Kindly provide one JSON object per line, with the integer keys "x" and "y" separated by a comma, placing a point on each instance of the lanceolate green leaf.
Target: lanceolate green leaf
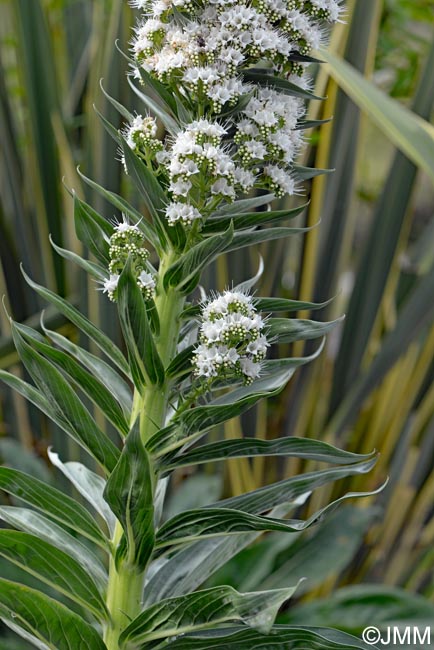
{"x": 47, "y": 619}
{"x": 95, "y": 270}
{"x": 280, "y": 636}
{"x": 286, "y": 330}
{"x": 90, "y": 485}
{"x": 36, "y": 397}
{"x": 243, "y": 239}
{"x": 121, "y": 204}
{"x": 202, "y": 609}
{"x": 196, "y": 259}
{"x": 197, "y": 420}
{"x": 263, "y": 78}
{"x": 130, "y": 496}
{"x": 243, "y": 205}
{"x": 268, "y": 304}
{"x": 34, "y": 523}
{"x": 191, "y": 566}
{"x": 99, "y": 368}
{"x": 35, "y": 642}
{"x": 306, "y": 173}
{"x": 181, "y": 364}
{"x": 251, "y": 219}
{"x": 66, "y": 406}
{"x": 146, "y": 365}
{"x": 92, "y": 230}
{"x": 248, "y": 447}
{"x": 83, "y": 324}
{"x": 166, "y": 118}
{"x": 52, "y": 502}
{"x": 85, "y": 381}
{"x": 269, "y": 496}
{"x": 283, "y": 304}
{"x": 202, "y": 418}
{"x": 164, "y": 95}
{"x": 54, "y": 567}
{"x": 190, "y": 525}
{"x": 151, "y": 191}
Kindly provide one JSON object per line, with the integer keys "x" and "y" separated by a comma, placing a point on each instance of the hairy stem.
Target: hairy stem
{"x": 125, "y": 584}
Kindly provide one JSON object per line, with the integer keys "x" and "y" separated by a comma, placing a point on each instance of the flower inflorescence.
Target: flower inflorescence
{"x": 232, "y": 342}
{"x": 247, "y": 135}
{"x": 126, "y": 242}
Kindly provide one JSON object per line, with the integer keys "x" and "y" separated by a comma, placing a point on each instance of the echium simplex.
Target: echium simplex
{"x": 228, "y": 86}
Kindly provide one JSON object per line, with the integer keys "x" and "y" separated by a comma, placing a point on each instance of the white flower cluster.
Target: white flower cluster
{"x": 141, "y": 134}
{"x": 232, "y": 341}
{"x": 199, "y": 166}
{"x": 127, "y": 241}
{"x": 206, "y": 49}
{"x": 249, "y": 132}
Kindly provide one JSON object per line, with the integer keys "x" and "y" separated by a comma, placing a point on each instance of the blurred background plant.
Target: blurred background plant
{"x": 374, "y": 251}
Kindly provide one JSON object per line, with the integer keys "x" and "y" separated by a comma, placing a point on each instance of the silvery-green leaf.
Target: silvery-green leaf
{"x": 52, "y": 502}
{"x": 92, "y": 386}
{"x": 191, "y": 566}
{"x": 92, "y": 230}
{"x": 306, "y": 173}
{"x": 145, "y": 362}
{"x": 151, "y": 191}
{"x": 269, "y": 496}
{"x": 54, "y": 567}
{"x": 65, "y": 405}
{"x": 251, "y": 219}
{"x": 249, "y": 447}
{"x": 283, "y": 304}
{"x": 50, "y": 621}
{"x": 33, "y": 640}
{"x": 194, "y": 422}
{"x": 286, "y": 330}
{"x": 243, "y": 205}
{"x": 264, "y": 78}
{"x": 121, "y": 204}
{"x": 281, "y": 637}
{"x": 210, "y": 521}
{"x": 130, "y": 496}
{"x": 96, "y": 335}
{"x": 248, "y": 284}
{"x": 90, "y": 485}
{"x": 99, "y": 368}
{"x": 249, "y": 238}
{"x": 95, "y": 270}
{"x": 201, "y": 610}
{"x": 32, "y": 522}
{"x": 166, "y": 118}
{"x": 182, "y": 273}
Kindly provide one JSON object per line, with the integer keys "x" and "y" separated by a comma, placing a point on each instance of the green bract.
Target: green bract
{"x": 228, "y": 82}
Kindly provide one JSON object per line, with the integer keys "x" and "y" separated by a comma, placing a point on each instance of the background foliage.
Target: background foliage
{"x": 374, "y": 251}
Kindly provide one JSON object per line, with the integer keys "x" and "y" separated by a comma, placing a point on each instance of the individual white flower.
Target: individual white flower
{"x": 258, "y": 347}
{"x": 250, "y": 369}
{"x": 147, "y": 284}
{"x": 280, "y": 181}
{"x": 182, "y": 212}
{"x": 221, "y": 186}
{"x": 110, "y": 285}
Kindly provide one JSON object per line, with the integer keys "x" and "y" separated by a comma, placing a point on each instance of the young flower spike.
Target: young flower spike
{"x": 231, "y": 339}
{"x": 126, "y": 242}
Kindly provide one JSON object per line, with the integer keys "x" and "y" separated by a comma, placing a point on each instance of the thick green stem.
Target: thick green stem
{"x": 125, "y": 584}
